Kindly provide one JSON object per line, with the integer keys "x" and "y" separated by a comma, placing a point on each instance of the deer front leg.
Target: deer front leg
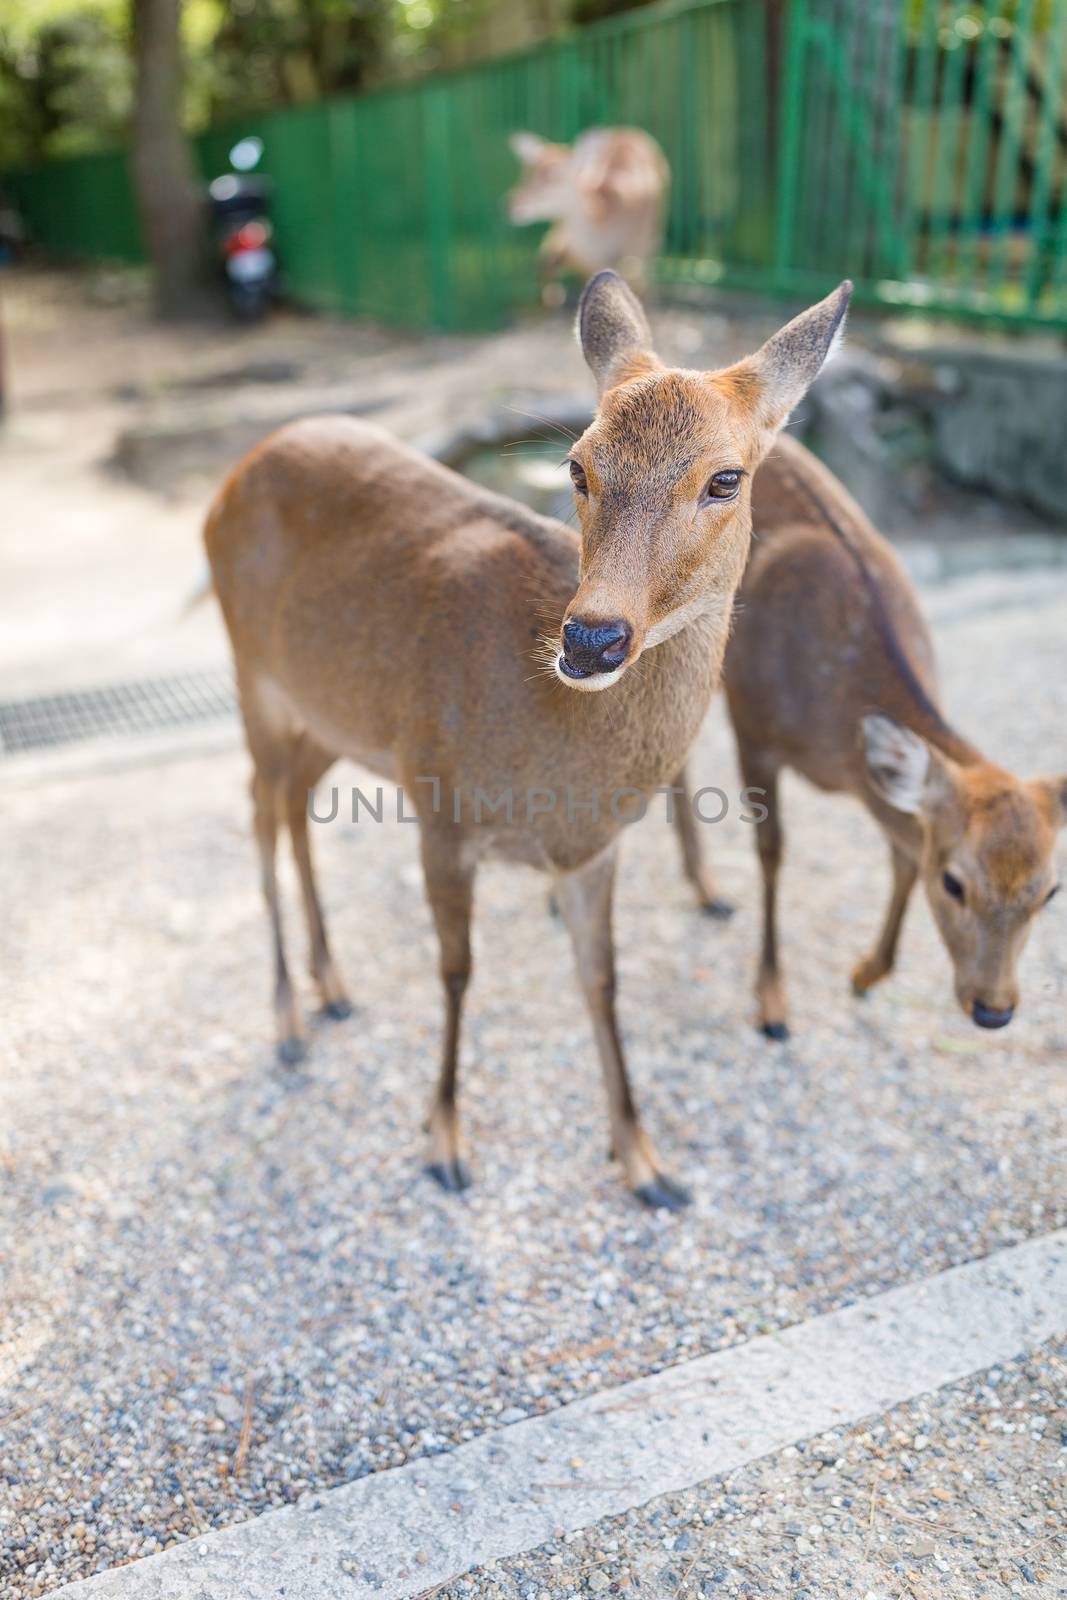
{"x": 449, "y": 887}
{"x": 308, "y": 769}
{"x": 552, "y": 263}
{"x": 694, "y": 865}
{"x": 770, "y": 991}
{"x": 585, "y": 899}
{"x": 873, "y": 968}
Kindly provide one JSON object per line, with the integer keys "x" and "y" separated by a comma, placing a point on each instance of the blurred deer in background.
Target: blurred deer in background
{"x": 830, "y": 671}
{"x": 605, "y": 196}
{"x": 383, "y": 608}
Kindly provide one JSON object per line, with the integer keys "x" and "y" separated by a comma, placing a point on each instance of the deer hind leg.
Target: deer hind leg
{"x": 873, "y": 968}
{"x": 310, "y": 764}
{"x": 266, "y": 798}
{"x": 585, "y": 900}
{"x": 450, "y": 890}
{"x": 694, "y": 864}
{"x": 770, "y": 990}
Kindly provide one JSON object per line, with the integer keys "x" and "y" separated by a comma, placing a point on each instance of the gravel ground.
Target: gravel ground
{"x": 227, "y": 1284}
{"x": 959, "y": 1494}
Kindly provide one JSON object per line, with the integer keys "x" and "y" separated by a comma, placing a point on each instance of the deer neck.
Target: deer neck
{"x": 644, "y": 726}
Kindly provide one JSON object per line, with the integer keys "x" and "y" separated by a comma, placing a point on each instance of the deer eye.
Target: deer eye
{"x": 1053, "y": 892}
{"x": 952, "y": 886}
{"x": 722, "y": 486}
{"x": 578, "y": 478}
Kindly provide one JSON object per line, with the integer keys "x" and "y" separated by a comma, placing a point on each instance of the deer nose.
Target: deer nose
{"x": 988, "y": 1017}
{"x": 591, "y": 648}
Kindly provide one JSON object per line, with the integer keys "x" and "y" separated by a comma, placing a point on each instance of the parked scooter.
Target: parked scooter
{"x": 240, "y": 206}
{"x": 12, "y": 232}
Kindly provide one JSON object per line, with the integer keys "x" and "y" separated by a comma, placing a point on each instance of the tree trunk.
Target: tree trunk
{"x": 172, "y": 210}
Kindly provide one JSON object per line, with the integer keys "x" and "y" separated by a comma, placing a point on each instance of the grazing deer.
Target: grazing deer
{"x": 383, "y": 608}
{"x": 830, "y": 671}
{"x": 605, "y": 196}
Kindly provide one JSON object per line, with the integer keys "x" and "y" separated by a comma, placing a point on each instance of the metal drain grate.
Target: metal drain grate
{"x": 123, "y": 709}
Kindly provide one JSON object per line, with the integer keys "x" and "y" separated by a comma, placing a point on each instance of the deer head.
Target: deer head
{"x": 663, "y": 477}
{"x": 544, "y": 192}
{"x": 987, "y": 862}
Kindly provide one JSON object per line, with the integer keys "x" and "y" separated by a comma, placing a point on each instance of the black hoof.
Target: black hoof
{"x": 775, "y": 1030}
{"x": 337, "y": 1010}
{"x": 663, "y": 1194}
{"x": 291, "y": 1052}
{"x": 453, "y": 1176}
{"x": 721, "y": 910}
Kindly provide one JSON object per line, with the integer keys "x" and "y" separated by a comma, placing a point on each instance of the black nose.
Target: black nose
{"x": 600, "y": 648}
{"x": 986, "y": 1017}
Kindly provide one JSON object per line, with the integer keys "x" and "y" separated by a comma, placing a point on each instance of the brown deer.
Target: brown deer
{"x": 830, "y": 671}
{"x": 383, "y": 608}
{"x": 605, "y": 197}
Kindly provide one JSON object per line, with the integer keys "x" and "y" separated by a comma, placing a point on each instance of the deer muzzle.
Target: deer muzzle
{"x": 593, "y": 649}
{"x": 991, "y": 1016}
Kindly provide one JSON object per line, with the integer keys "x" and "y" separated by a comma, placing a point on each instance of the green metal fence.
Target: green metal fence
{"x": 919, "y": 146}
{"x": 923, "y": 148}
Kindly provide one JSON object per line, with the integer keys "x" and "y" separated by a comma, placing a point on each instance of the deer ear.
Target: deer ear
{"x": 612, "y": 329}
{"x": 527, "y": 147}
{"x": 1055, "y": 791}
{"x": 898, "y": 763}
{"x": 782, "y": 371}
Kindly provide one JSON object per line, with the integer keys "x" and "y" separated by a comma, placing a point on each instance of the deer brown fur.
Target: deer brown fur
{"x": 604, "y": 196}
{"x": 830, "y": 671}
{"x": 383, "y": 608}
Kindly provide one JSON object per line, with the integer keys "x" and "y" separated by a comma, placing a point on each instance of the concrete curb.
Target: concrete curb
{"x": 400, "y": 1533}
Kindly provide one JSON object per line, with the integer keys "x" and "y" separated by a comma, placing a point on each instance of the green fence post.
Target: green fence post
{"x": 920, "y": 112}
{"x": 687, "y": 206}
{"x": 344, "y": 235}
{"x": 1006, "y": 178}
{"x": 1041, "y": 221}
{"x": 792, "y": 114}
{"x": 984, "y": 74}
{"x": 435, "y": 133}
{"x": 569, "y": 90}
{"x": 944, "y": 215}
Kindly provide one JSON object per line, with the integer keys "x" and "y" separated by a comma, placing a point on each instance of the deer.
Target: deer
{"x": 830, "y": 671}
{"x": 605, "y": 196}
{"x": 383, "y": 608}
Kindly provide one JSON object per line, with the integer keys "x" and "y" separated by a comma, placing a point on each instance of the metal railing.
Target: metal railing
{"x": 919, "y": 146}
{"x": 923, "y": 149}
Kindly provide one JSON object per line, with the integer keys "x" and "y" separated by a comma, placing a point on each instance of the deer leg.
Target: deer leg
{"x": 312, "y": 762}
{"x": 585, "y": 900}
{"x": 449, "y": 887}
{"x": 694, "y": 865}
{"x": 552, "y": 262}
{"x": 265, "y": 796}
{"x": 880, "y": 962}
{"x": 770, "y": 991}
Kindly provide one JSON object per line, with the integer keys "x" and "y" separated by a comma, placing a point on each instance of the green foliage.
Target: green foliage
{"x": 959, "y": 24}
{"x": 252, "y": 55}
{"x": 593, "y": 10}
{"x": 66, "y": 78}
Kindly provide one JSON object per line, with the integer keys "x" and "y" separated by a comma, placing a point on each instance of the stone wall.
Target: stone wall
{"x": 905, "y": 424}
